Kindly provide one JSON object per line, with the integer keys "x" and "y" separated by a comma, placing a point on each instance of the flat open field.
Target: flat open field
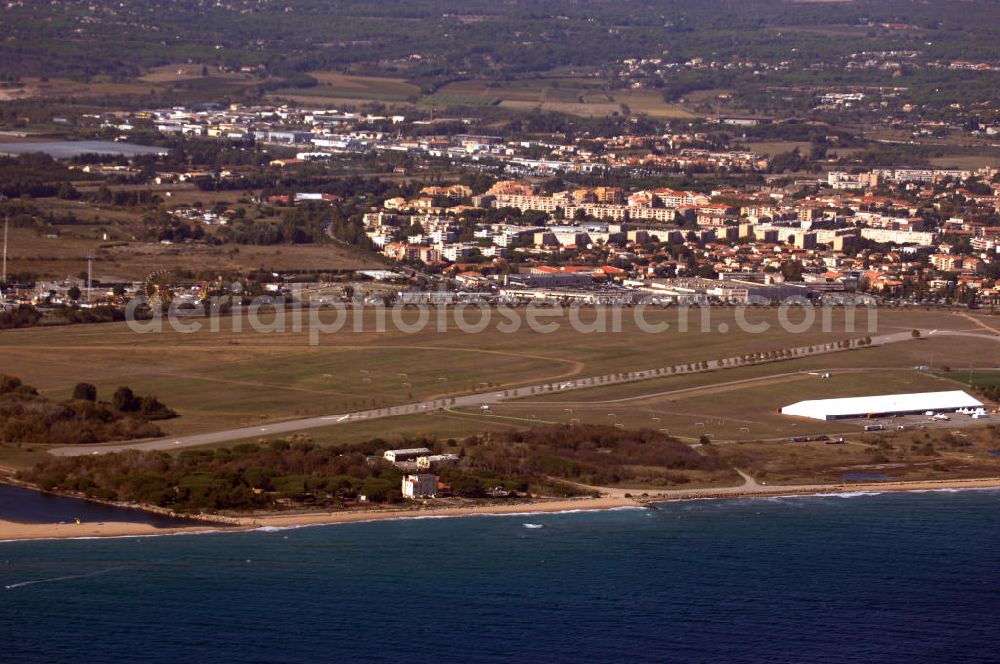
{"x": 185, "y": 72}
{"x": 736, "y": 411}
{"x": 968, "y": 161}
{"x": 155, "y": 82}
{"x": 114, "y": 236}
{"x": 650, "y": 102}
{"x": 564, "y": 94}
{"x": 66, "y": 88}
{"x": 346, "y": 85}
{"x": 335, "y": 87}
{"x": 831, "y": 31}
{"x": 573, "y": 95}
{"x": 970, "y": 376}
{"x": 138, "y": 260}
{"x": 910, "y": 455}
{"x": 120, "y": 259}
{"x": 226, "y": 378}
{"x": 771, "y": 148}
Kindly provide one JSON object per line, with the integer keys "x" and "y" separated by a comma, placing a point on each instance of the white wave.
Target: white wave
{"x": 955, "y": 489}
{"x": 579, "y": 510}
{"x": 432, "y": 517}
{"x": 24, "y": 584}
{"x": 532, "y": 526}
{"x": 847, "y": 494}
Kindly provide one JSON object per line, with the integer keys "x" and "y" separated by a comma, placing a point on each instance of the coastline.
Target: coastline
{"x": 12, "y": 531}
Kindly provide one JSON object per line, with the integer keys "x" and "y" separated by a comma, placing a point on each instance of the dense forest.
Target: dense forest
{"x": 436, "y": 40}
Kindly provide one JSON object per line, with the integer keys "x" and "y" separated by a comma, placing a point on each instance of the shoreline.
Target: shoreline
{"x": 14, "y": 531}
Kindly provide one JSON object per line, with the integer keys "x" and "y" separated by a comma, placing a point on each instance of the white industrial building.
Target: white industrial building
{"x": 887, "y": 404}
{"x": 410, "y": 454}
{"x": 432, "y": 460}
{"x": 420, "y": 486}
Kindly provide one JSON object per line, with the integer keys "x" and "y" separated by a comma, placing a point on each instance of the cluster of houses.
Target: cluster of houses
{"x": 420, "y": 483}
{"x": 901, "y": 234}
{"x": 845, "y": 237}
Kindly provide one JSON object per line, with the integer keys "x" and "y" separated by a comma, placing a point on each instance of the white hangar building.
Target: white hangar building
{"x": 887, "y": 404}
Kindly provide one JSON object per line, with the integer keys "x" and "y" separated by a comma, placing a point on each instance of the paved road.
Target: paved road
{"x": 481, "y": 399}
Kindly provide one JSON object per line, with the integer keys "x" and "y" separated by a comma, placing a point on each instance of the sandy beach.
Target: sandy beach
{"x": 615, "y": 500}
{"x": 10, "y": 530}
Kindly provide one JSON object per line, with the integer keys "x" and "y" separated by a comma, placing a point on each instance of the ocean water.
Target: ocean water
{"x": 858, "y": 578}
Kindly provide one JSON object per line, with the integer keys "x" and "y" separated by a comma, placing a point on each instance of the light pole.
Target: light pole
{"x": 6, "y": 223}
{"x": 90, "y": 276}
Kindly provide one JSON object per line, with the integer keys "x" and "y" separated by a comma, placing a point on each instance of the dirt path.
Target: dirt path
{"x": 979, "y": 323}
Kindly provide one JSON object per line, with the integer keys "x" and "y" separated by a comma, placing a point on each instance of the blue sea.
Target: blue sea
{"x": 842, "y": 578}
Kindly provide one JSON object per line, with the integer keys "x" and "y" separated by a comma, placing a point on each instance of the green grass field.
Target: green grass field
{"x": 362, "y": 88}
{"x": 231, "y": 379}
{"x": 973, "y": 377}
{"x": 446, "y": 100}
{"x": 690, "y": 406}
{"x": 573, "y": 95}
{"x": 219, "y": 379}
{"x": 987, "y": 158}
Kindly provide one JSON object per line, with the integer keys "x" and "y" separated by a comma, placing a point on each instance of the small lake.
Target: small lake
{"x": 70, "y": 149}
{"x": 27, "y": 506}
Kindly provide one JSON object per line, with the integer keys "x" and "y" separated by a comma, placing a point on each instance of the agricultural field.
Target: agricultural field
{"x": 573, "y": 95}
{"x": 989, "y": 158}
{"x": 185, "y": 72}
{"x": 651, "y": 103}
{"x": 158, "y": 81}
{"x": 335, "y": 87}
{"x": 120, "y": 258}
{"x": 55, "y": 87}
{"x": 771, "y": 148}
{"x": 114, "y": 234}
